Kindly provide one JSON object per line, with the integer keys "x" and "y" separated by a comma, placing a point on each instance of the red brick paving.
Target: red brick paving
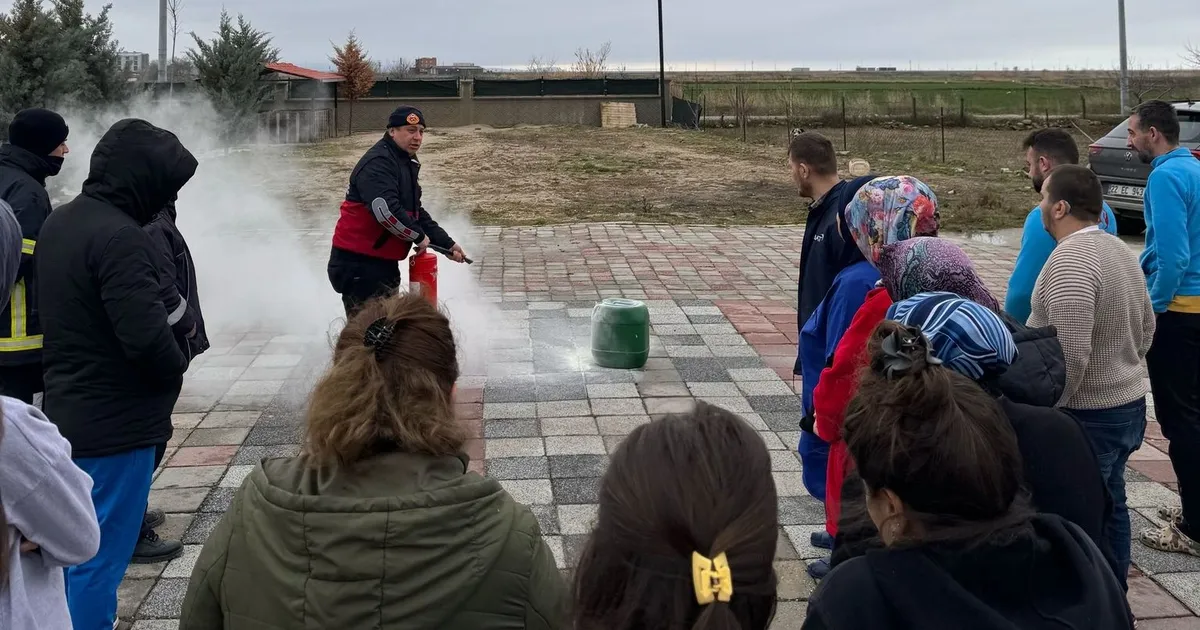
{"x": 202, "y": 456}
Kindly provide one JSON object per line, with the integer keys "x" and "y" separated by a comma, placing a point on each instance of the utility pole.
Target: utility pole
{"x": 162, "y": 41}
{"x": 662, "y": 67}
{"x": 1124, "y": 59}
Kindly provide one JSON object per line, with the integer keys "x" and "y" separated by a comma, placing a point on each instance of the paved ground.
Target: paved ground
{"x": 546, "y": 419}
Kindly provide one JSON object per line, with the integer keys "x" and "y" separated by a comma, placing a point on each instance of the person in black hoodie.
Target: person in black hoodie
{"x": 37, "y": 144}
{"x": 112, "y": 366}
{"x": 941, "y": 474}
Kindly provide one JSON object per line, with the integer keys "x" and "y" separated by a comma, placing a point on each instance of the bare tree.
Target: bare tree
{"x": 173, "y": 8}
{"x": 395, "y": 68}
{"x": 542, "y": 65}
{"x": 1192, "y": 55}
{"x": 589, "y": 64}
{"x": 1146, "y": 83}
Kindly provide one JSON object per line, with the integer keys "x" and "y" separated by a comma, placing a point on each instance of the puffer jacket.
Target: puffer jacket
{"x": 1038, "y": 376}
{"x": 403, "y": 541}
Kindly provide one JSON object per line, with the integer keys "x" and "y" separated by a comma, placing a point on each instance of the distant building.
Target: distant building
{"x": 875, "y": 69}
{"x": 458, "y": 70}
{"x": 802, "y": 69}
{"x": 133, "y": 62}
{"x": 425, "y": 65}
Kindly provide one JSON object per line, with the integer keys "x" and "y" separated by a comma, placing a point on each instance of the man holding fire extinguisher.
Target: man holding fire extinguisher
{"x": 382, "y": 218}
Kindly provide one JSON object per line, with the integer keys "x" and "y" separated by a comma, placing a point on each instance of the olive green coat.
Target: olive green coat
{"x": 407, "y": 541}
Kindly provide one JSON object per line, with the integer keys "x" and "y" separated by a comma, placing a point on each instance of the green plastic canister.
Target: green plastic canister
{"x": 621, "y": 334}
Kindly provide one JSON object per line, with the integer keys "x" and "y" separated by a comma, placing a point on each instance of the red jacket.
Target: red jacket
{"x": 835, "y": 390}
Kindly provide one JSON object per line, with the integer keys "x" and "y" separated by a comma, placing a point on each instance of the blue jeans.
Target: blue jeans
{"x": 814, "y": 460}
{"x": 120, "y": 488}
{"x": 1115, "y": 434}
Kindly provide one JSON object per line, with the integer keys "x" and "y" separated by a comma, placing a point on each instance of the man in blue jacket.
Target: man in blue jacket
{"x": 1171, "y": 262}
{"x": 1045, "y": 150}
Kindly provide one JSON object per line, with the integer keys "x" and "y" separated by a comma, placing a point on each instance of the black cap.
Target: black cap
{"x": 38, "y": 131}
{"x": 406, "y": 115}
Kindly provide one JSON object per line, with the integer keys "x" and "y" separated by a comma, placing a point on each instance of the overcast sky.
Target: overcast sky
{"x": 701, "y": 34}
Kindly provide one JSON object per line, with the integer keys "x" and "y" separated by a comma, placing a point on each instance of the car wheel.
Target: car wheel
{"x": 1130, "y": 226}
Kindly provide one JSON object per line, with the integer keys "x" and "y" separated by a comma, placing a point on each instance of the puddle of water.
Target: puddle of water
{"x": 1005, "y": 238}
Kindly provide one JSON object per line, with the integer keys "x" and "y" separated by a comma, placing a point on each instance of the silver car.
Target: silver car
{"x": 1123, "y": 175}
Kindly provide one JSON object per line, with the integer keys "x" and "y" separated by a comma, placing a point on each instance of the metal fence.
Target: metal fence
{"x": 295, "y": 126}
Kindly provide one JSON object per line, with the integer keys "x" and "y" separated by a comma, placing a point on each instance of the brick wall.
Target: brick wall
{"x": 468, "y": 109}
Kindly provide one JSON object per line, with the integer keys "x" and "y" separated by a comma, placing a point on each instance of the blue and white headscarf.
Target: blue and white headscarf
{"x": 969, "y": 338}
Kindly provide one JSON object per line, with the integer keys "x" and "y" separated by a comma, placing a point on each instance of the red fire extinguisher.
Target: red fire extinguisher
{"x": 422, "y": 275}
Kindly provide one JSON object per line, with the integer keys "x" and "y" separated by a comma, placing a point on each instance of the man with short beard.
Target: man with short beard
{"x": 1171, "y": 262}
{"x": 1045, "y": 149}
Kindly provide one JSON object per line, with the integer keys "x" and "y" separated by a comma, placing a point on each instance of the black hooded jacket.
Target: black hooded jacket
{"x": 180, "y": 291}
{"x": 1050, "y": 577}
{"x": 23, "y": 185}
{"x": 113, "y": 370}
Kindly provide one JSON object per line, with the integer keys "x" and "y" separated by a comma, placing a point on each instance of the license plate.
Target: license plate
{"x": 1126, "y": 191}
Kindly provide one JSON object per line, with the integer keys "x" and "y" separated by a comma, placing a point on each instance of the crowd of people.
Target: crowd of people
{"x": 970, "y": 456}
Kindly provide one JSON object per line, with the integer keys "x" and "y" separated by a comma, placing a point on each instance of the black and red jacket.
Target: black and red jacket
{"x": 390, "y": 173}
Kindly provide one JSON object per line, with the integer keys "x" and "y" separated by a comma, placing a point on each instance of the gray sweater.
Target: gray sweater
{"x": 47, "y": 500}
{"x": 1093, "y": 290}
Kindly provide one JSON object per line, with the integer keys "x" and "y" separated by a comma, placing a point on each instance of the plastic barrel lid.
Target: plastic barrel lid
{"x": 621, "y": 303}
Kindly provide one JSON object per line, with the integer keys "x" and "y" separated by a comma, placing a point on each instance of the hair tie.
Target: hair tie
{"x": 711, "y": 578}
{"x": 898, "y": 350}
{"x": 378, "y": 334}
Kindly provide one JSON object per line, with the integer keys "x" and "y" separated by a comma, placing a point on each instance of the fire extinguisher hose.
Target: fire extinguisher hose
{"x": 445, "y": 252}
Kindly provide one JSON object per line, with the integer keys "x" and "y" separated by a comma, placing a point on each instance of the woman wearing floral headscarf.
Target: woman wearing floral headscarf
{"x": 886, "y": 210}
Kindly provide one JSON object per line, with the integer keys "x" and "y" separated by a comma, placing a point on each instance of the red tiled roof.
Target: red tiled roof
{"x": 304, "y": 73}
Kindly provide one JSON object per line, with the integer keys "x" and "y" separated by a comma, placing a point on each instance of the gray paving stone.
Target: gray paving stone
{"x": 130, "y": 595}
{"x": 277, "y": 361}
{"x": 1184, "y": 586}
{"x": 249, "y": 455}
{"x": 186, "y": 421}
{"x": 766, "y": 388}
{"x": 688, "y": 352}
{"x": 218, "y": 500}
{"x": 515, "y": 447}
{"x": 216, "y": 437}
{"x": 754, "y": 420}
{"x": 617, "y": 407}
{"x": 784, "y": 461}
{"x": 511, "y": 428}
{"x": 181, "y": 567}
{"x": 201, "y": 527}
{"x": 583, "y": 425}
{"x": 620, "y": 425}
{"x": 188, "y": 477}
{"x": 801, "y": 511}
{"x": 742, "y": 356}
{"x": 165, "y": 600}
{"x": 701, "y": 310}
{"x": 547, "y": 518}
{"x": 255, "y": 388}
{"x": 771, "y": 439}
{"x": 230, "y": 419}
{"x": 502, "y": 411}
{"x": 663, "y": 377}
{"x": 664, "y": 330}
{"x": 733, "y": 339}
{"x": 529, "y": 491}
{"x": 271, "y": 436}
{"x": 555, "y": 543}
{"x": 156, "y": 624}
{"x": 607, "y": 377}
{"x": 735, "y": 404}
{"x": 509, "y": 369}
{"x": 1149, "y": 494}
{"x": 575, "y": 445}
{"x": 702, "y": 370}
{"x": 613, "y": 390}
{"x": 573, "y": 545}
{"x": 235, "y": 475}
{"x": 667, "y": 406}
{"x": 663, "y": 390}
{"x": 681, "y": 340}
{"x": 751, "y": 375}
{"x": 714, "y": 389}
{"x": 775, "y": 404}
{"x": 178, "y": 499}
{"x": 576, "y": 490}
{"x": 576, "y": 466}
{"x": 706, "y": 319}
{"x": 517, "y": 467}
{"x": 781, "y": 421}
{"x": 789, "y": 484}
{"x": 577, "y": 519}
{"x": 563, "y": 409}
{"x": 511, "y": 393}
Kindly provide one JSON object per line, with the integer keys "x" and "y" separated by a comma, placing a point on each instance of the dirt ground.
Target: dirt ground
{"x": 550, "y": 175}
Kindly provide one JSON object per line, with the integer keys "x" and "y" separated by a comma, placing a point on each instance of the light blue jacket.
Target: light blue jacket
{"x": 1036, "y": 247}
{"x": 1171, "y": 260}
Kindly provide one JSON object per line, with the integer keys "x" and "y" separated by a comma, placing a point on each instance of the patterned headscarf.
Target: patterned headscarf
{"x": 888, "y": 210}
{"x": 967, "y": 337}
{"x": 926, "y": 265}
{"x": 10, "y": 252}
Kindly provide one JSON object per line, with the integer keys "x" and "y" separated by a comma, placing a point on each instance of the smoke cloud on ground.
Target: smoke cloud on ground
{"x": 260, "y": 260}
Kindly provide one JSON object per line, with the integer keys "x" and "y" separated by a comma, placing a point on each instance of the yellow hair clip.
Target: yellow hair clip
{"x": 711, "y": 578}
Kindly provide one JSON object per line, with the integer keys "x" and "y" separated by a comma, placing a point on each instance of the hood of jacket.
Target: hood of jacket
{"x": 1049, "y": 576}
{"x": 21, "y": 159}
{"x": 138, "y": 168}
{"x": 1038, "y": 375}
{"x": 418, "y": 528}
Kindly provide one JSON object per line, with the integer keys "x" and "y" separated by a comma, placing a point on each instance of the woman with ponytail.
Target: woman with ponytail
{"x": 47, "y": 519}
{"x": 686, "y": 530}
{"x": 941, "y": 473}
{"x": 378, "y": 523}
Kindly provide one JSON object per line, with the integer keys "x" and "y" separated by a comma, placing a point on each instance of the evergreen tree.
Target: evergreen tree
{"x": 352, "y": 63}
{"x": 95, "y": 64}
{"x": 33, "y": 59}
{"x": 229, "y": 68}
